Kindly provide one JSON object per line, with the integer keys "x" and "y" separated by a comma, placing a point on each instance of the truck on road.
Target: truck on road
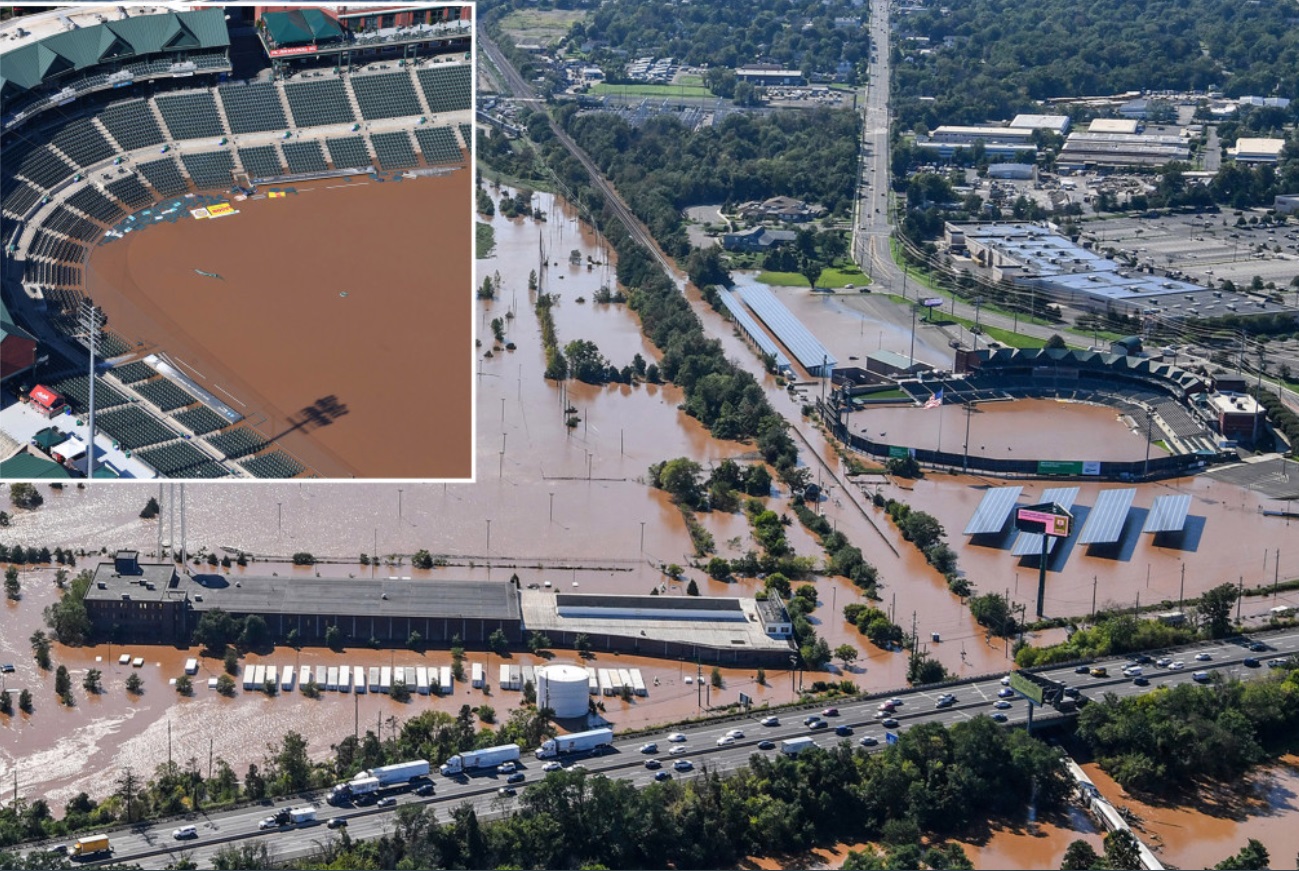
{"x": 795, "y": 746}
{"x": 593, "y": 741}
{"x": 90, "y": 845}
{"x": 377, "y": 779}
{"x": 489, "y": 757}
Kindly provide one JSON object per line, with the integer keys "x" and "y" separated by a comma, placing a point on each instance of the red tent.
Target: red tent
{"x": 46, "y": 398}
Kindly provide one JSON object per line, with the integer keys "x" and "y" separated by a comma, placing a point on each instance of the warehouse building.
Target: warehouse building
{"x": 1111, "y": 150}
{"x": 154, "y": 602}
{"x": 1054, "y": 123}
{"x": 1257, "y": 150}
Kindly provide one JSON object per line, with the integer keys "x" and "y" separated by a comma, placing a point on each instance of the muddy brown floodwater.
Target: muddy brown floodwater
{"x": 553, "y": 503}
{"x": 344, "y": 296}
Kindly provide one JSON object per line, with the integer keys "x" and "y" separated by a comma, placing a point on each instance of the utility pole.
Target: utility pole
{"x": 1093, "y": 620}
{"x": 1240, "y": 596}
{"x": 1276, "y": 578}
{"x": 1181, "y": 588}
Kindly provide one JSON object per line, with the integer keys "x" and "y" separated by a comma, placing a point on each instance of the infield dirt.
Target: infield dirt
{"x": 340, "y": 323}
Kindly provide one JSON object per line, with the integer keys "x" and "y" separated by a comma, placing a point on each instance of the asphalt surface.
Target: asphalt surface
{"x": 871, "y": 224}
{"x": 153, "y": 845}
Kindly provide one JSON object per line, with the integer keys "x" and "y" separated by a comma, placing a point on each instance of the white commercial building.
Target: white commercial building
{"x": 1055, "y": 123}
{"x": 1257, "y": 150}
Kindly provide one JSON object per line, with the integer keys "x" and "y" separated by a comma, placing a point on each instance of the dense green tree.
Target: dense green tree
{"x": 1252, "y": 857}
{"x": 1214, "y": 608}
{"x": 1121, "y": 851}
{"x": 13, "y": 588}
{"x": 23, "y": 495}
{"x": 41, "y": 648}
{"x": 1080, "y": 856}
{"x": 215, "y": 630}
{"x": 63, "y": 684}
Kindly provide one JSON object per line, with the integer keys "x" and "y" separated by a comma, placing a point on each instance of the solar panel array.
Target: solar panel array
{"x": 788, "y": 329}
{"x": 750, "y": 326}
{"x": 996, "y": 505}
{"x": 1105, "y": 521}
{"x": 1168, "y": 514}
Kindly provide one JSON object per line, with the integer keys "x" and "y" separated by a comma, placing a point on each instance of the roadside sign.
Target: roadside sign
{"x": 746, "y": 700}
{"x": 932, "y": 301}
{"x": 891, "y": 738}
{"x": 1020, "y": 683}
{"x": 1045, "y": 519}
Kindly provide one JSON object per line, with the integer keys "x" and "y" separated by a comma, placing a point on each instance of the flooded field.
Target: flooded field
{"x": 1211, "y": 826}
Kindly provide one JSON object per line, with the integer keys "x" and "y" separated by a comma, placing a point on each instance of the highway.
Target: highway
{"x": 152, "y": 844}
{"x": 871, "y": 229}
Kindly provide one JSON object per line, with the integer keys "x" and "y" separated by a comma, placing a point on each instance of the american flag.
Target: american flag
{"x": 935, "y": 400}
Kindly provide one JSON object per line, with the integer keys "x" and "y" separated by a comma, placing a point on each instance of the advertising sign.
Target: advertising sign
{"x": 1059, "y": 467}
{"x": 900, "y": 452}
{"x": 932, "y": 301}
{"x": 1020, "y": 683}
{"x": 1052, "y": 524}
{"x": 298, "y": 49}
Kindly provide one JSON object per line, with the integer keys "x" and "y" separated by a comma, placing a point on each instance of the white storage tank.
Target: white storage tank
{"x": 562, "y": 688}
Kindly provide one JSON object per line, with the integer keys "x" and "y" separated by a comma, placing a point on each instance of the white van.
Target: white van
{"x": 185, "y": 832}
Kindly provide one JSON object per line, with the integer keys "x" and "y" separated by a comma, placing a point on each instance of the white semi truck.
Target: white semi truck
{"x": 795, "y": 746}
{"x": 377, "y": 779}
{"x": 489, "y": 757}
{"x": 593, "y": 741}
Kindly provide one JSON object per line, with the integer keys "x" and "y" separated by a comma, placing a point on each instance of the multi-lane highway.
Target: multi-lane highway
{"x": 154, "y": 845}
{"x": 871, "y": 225}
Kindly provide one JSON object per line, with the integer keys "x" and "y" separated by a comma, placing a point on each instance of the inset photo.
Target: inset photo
{"x": 237, "y": 242}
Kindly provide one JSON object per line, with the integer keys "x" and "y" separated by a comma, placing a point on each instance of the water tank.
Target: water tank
{"x": 563, "y": 688}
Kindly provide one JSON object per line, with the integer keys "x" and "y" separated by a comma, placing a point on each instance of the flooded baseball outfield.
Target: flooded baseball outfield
{"x": 568, "y": 505}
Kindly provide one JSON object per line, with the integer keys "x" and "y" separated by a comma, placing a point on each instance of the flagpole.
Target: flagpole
{"x": 940, "y": 426}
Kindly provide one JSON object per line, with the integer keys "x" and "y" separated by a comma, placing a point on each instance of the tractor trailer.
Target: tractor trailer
{"x": 593, "y": 741}
{"x": 90, "y": 846}
{"x": 470, "y": 760}
{"x": 795, "y": 746}
{"x": 376, "y": 779}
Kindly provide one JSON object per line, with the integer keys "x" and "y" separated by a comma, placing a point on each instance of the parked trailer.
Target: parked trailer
{"x": 331, "y": 678}
{"x": 421, "y": 680}
{"x": 286, "y": 681}
{"x": 638, "y": 683}
{"x": 606, "y": 683}
{"x": 344, "y": 678}
{"x": 624, "y": 680}
{"x": 516, "y": 677}
{"x": 471, "y": 760}
{"x": 445, "y": 685}
{"x": 272, "y": 676}
{"x": 385, "y": 679}
{"x": 593, "y": 741}
{"x": 592, "y": 682}
{"x": 259, "y": 677}
{"x": 374, "y": 678}
{"x": 191, "y": 666}
{"x": 476, "y": 675}
{"x": 302, "y": 815}
{"x": 358, "y": 678}
{"x": 529, "y": 676}
{"x": 304, "y": 675}
{"x": 504, "y": 682}
{"x": 249, "y": 672}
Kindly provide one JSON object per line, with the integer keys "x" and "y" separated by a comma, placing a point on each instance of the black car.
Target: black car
{"x": 843, "y": 730}
{"x": 1141, "y": 681}
{"x": 1258, "y": 647}
{"x": 1250, "y": 662}
{"x": 766, "y": 745}
{"x": 945, "y": 702}
{"x": 1071, "y": 692}
{"x": 336, "y": 823}
{"x": 663, "y": 775}
{"x": 1142, "y": 659}
{"x": 819, "y": 724}
{"x": 516, "y": 777}
{"x": 1082, "y": 669}
{"x": 653, "y": 764}
{"x": 424, "y": 789}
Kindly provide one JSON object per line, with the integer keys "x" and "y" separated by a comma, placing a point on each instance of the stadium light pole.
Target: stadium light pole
{"x": 1150, "y": 422}
{"x": 911, "y": 357}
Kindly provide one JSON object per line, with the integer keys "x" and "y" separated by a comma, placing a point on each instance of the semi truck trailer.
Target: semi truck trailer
{"x": 580, "y": 742}
{"x": 489, "y": 757}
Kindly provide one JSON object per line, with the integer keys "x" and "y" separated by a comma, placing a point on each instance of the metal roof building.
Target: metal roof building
{"x": 805, "y": 347}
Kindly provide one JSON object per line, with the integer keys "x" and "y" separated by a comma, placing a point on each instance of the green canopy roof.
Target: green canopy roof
{"x": 24, "y": 466}
{"x": 301, "y": 26}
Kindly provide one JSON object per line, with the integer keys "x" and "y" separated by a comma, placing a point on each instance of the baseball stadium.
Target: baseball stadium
{"x": 241, "y": 236}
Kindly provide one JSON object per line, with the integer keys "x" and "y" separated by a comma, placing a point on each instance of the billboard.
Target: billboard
{"x": 901, "y": 452}
{"x": 1022, "y": 684}
{"x": 297, "y": 49}
{"x": 932, "y": 301}
{"x": 1059, "y": 467}
{"x": 1052, "y": 523}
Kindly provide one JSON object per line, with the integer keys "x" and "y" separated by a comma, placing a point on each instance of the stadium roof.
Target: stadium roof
{"x": 23, "y": 466}
{"x": 26, "y": 68}
{"x": 301, "y": 26}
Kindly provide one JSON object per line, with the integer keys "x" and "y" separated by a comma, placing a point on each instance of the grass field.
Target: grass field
{"x": 543, "y": 26}
{"x": 651, "y": 90}
{"x": 830, "y": 278}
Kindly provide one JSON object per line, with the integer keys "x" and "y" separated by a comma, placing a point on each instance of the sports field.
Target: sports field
{"x": 336, "y": 318}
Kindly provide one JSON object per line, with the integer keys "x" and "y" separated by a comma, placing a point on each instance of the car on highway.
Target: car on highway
{"x": 1082, "y": 669}
{"x": 999, "y": 717}
{"x": 552, "y": 766}
{"x": 424, "y": 789}
{"x": 895, "y": 702}
{"x": 1258, "y": 647}
{"x": 268, "y": 823}
{"x": 843, "y": 730}
{"x": 736, "y": 733}
{"x": 946, "y": 700}
{"x": 677, "y": 751}
{"x": 653, "y": 764}
{"x": 1202, "y": 657}
{"x": 1249, "y": 662}
{"x": 683, "y": 765}
{"x": 336, "y": 823}
{"x": 506, "y": 768}
{"x": 810, "y": 719}
{"x": 724, "y": 740}
{"x": 677, "y": 738}
{"x": 388, "y": 801}
{"x": 185, "y": 833}
{"x": 1200, "y": 676}
{"x": 1177, "y": 665}
{"x": 868, "y": 741}
{"x": 1132, "y": 671}
{"x": 819, "y": 724}
{"x": 1071, "y": 692}
{"x": 1005, "y": 681}
{"x": 887, "y": 706}
{"x": 663, "y": 775}
{"x": 1099, "y": 671}
{"x": 7, "y": 668}
{"x": 889, "y": 723}
{"x": 830, "y": 712}
{"x": 507, "y": 790}
{"x": 1276, "y": 662}
{"x": 1001, "y": 705}
{"x": 1141, "y": 681}
{"x": 516, "y": 777}
{"x": 1142, "y": 659}
{"x": 577, "y": 766}
{"x": 771, "y": 721}
{"x": 651, "y": 747}
{"x": 1164, "y": 661}
{"x": 1005, "y": 692}
{"x": 766, "y": 745}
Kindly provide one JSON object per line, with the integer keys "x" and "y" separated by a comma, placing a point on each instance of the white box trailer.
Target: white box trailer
{"x": 331, "y": 678}
{"x": 286, "y": 681}
{"x": 344, "y": 678}
{"x": 592, "y": 682}
{"x": 374, "y": 678}
{"x": 358, "y": 678}
{"x": 624, "y": 680}
{"x": 304, "y": 675}
{"x": 476, "y": 674}
{"x": 259, "y": 676}
{"x": 529, "y": 676}
{"x": 385, "y": 678}
{"x": 250, "y": 671}
{"x": 504, "y": 681}
{"x": 487, "y": 758}
{"x": 445, "y": 685}
{"x": 516, "y": 677}
{"x": 638, "y": 683}
{"x": 272, "y": 675}
{"x": 421, "y": 680}
{"x": 191, "y": 666}
{"x": 606, "y": 684}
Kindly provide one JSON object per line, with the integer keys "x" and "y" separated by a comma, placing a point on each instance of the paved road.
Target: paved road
{"x": 153, "y": 845}
{"x": 871, "y": 225}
